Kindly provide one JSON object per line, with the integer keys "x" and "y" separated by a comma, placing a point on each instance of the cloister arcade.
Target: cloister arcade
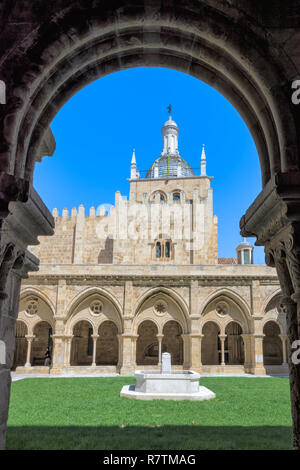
{"x": 94, "y": 329}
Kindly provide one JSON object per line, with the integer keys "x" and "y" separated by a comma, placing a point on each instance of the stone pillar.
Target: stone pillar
{"x": 29, "y": 338}
{"x": 186, "y": 350}
{"x": 258, "y": 367}
{"x": 58, "y": 351}
{"x": 21, "y": 224}
{"x": 160, "y": 339}
{"x": 274, "y": 219}
{"x": 222, "y": 339}
{"x": 125, "y": 339}
{"x": 95, "y": 337}
{"x": 195, "y": 351}
{"x": 128, "y": 351}
{"x": 134, "y": 340}
{"x": 284, "y": 356}
{"x": 248, "y": 352}
{"x": 120, "y": 353}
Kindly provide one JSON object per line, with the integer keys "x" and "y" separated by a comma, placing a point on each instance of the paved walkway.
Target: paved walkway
{"x": 16, "y": 377}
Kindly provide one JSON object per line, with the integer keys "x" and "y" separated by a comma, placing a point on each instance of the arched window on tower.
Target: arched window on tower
{"x": 176, "y": 196}
{"x": 158, "y": 250}
{"x": 163, "y": 249}
{"x": 167, "y": 250}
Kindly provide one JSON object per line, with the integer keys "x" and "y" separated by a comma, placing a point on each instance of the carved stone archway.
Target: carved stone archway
{"x": 246, "y": 50}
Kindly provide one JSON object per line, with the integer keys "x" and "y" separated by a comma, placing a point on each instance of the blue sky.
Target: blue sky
{"x": 98, "y": 127}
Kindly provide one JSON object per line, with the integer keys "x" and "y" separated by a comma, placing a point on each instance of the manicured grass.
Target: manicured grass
{"x": 88, "y": 413}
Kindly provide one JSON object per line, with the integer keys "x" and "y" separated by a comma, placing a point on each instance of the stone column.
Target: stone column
{"x": 67, "y": 355}
{"x": 284, "y": 357}
{"x": 95, "y": 337}
{"x": 222, "y": 339}
{"x": 29, "y": 338}
{"x": 120, "y": 353}
{"x": 159, "y": 338}
{"x": 57, "y": 357}
{"x": 134, "y": 340}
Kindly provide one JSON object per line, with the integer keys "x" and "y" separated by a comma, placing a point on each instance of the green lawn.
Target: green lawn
{"x": 88, "y": 413}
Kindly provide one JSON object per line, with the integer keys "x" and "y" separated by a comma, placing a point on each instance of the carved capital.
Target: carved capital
{"x": 11, "y": 189}
{"x": 283, "y": 252}
{"x": 277, "y": 206}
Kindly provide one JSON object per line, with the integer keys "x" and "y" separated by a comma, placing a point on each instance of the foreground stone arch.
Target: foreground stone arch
{"x": 241, "y": 49}
{"x": 98, "y": 42}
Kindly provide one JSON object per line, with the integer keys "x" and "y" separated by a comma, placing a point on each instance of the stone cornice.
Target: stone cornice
{"x": 140, "y": 281}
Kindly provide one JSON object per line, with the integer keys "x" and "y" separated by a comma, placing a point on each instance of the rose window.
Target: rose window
{"x": 160, "y": 308}
{"x": 96, "y": 307}
{"x": 32, "y": 307}
{"x": 222, "y": 309}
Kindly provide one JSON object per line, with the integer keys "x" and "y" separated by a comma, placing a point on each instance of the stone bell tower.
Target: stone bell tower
{"x": 177, "y": 207}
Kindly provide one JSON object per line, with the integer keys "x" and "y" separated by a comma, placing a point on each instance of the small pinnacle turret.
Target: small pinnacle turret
{"x": 203, "y": 162}
{"x": 133, "y": 171}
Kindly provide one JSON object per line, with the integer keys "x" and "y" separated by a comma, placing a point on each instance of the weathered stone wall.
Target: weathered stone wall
{"x": 127, "y": 235}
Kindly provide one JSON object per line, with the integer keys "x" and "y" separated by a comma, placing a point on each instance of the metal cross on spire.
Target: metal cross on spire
{"x": 169, "y": 108}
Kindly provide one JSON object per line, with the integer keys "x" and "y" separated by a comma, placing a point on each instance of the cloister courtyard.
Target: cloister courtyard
{"x": 93, "y": 416}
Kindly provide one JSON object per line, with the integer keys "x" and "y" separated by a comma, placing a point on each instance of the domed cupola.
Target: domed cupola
{"x": 170, "y": 164}
{"x": 245, "y": 252}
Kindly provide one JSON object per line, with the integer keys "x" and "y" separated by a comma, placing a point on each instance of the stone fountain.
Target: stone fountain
{"x": 167, "y": 384}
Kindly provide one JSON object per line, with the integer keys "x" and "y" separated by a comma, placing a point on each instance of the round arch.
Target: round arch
{"x": 107, "y": 343}
{"x": 272, "y": 344}
{"x": 172, "y": 341}
{"x": 147, "y": 344}
{"x": 163, "y": 195}
{"x": 42, "y": 331}
{"x": 82, "y": 343}
{"x": 234, "y": 344}
{"x": 210, "y": 348}
{"x": 78, "y": 45}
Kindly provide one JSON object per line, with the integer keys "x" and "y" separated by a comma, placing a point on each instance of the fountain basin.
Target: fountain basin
{"x": 174, "y": 385}
{"x": 186, "y": 381}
